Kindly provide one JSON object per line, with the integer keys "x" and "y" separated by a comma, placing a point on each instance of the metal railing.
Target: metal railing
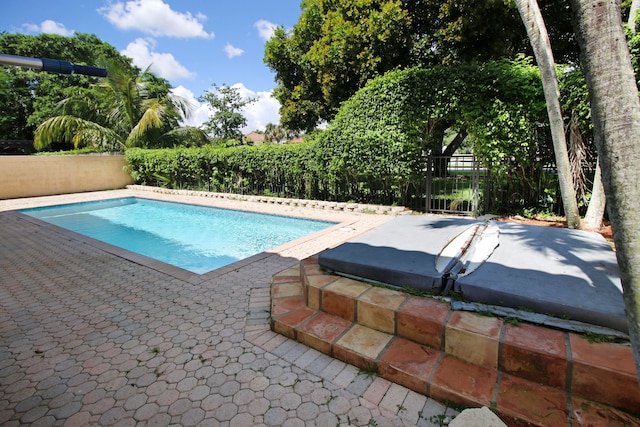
{"x": 454, "y": 184}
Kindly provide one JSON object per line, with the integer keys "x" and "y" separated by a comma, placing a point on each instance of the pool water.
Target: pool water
{"x": 195, "y": 238}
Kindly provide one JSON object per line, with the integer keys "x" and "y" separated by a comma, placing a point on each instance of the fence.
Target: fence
{"x": 455, "y": 184}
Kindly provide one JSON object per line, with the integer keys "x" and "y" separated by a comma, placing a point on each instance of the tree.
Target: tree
{"x": 633, "y": 13}
{"x": 130, "y": 119}
{"x": 275, "y": 133}
{"x": 380, "y": 133}
{"x": 17, "y": 105}
{"x": 332, "y": 52}
{"x": 597, "y": 203}
{"x": 30, "y": 97}
{"x": 536, "y": 29}
{"x": 227, "y": 105}
{"x": 615, "y": 109}
{"x": 336, "y": 47}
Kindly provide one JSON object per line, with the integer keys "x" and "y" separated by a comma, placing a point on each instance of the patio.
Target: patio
{"x": 96, "y": 336}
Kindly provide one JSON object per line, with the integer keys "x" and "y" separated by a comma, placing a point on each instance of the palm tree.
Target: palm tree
{"x": 615, "y": 114}
{"x": 537, "y": 32}
{"x": 276, "y": 133}
{"x": 128, "y": 119}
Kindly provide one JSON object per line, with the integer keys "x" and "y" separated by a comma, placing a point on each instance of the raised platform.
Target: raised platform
{"x": 567, "y": 273}
{"x": 530, "y": 375}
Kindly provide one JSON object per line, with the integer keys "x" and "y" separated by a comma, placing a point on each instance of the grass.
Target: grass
{"x": 453, "y": 189}
{"x": 593, "y": 337}
{"x": 370, "y": 369}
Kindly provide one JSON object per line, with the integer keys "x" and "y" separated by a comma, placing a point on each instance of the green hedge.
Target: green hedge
{"x": 291, "y": 170}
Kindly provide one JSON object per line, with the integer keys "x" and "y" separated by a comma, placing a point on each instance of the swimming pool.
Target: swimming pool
{"x": 192, "y": 237}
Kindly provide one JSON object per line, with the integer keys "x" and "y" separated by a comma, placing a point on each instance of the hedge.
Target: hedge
{"x": 291, "y": 170}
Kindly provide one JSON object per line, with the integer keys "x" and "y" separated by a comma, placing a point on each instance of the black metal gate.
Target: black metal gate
{"x": 455, "y": 184}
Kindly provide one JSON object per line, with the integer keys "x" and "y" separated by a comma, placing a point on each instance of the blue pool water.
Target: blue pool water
{"x": 195, "y": 238}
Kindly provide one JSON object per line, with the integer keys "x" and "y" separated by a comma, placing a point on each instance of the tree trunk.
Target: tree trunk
{"x": 597, "y": 203}
{"x": 615, "y": 112}
{"x": 537, "y": 32}
{"x": 456, "y": 143}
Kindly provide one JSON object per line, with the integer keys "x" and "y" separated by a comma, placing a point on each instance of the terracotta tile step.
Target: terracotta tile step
{"x": 444, "y": 377}
{"x": 458, "y": 356}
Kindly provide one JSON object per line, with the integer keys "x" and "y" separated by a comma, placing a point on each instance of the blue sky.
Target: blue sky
{"x": 191, "y": 43}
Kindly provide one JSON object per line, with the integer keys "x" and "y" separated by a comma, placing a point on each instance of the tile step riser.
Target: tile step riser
{"x": 494, "y": 363}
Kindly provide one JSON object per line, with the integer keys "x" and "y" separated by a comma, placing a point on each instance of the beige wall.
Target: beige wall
{"x": 26, "y": 176}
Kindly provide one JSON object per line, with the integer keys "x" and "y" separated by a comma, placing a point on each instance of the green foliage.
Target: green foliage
{"x": 243, "y": 169}
{"x": 375, "y": 143}
{"x": 335, "y": 48}
{"x": 125, "y": 109}
{"x": 370, "y": 370}
{"x": 29, "y": 97}
{"x": 594, "y": 337}
{"x": 129, "y": 117}
{"x": 227, "y": 119}
{"x": 373, "y": 151}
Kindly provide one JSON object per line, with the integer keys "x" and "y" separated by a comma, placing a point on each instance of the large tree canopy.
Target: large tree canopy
{"x": 29, "y": 97}
{"x": 336, "y": 47}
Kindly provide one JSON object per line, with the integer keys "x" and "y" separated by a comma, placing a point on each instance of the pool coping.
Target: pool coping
{"x": 315, "y": 210}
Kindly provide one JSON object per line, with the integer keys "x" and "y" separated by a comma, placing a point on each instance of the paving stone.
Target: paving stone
{"x": 212, "y": 402}
{"x": 33, "y": 415}
{"x": 230, "y": 388}
{"x": 135, "y": 401}
{"x": 120, "y": 343}
{"x": 192, "y": 417}
{"x": 259, "y": 384}
{"x": 242, "y": 420}
{"x": 66, "y": 411}
{"x": 290, "y": 401}
{"x": 244, "y": 397}
{"x": 339, "y": 405}
{"x": 179, "y": 407}
{"x": 226, "y": 412}
{"x": 308, "y": 411}
{"x": 259, "y": 406}
{"x": 274, "y": 392}
{"x": 275, "y": 416}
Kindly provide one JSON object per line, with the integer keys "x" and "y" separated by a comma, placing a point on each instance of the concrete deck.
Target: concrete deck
{"x": 94, "y": 335}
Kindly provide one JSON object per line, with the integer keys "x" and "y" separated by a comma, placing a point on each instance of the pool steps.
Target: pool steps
{"x": 529, "y": 375}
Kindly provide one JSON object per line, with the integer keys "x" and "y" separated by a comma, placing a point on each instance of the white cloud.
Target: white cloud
{"x": 258, "y": 114}
{"x": 265, "y": 28}
{"x": 49, "y": 27}
{"x": 156, "y": 18}
{"x": 162, "y": 64}
{"x": 261, "y": 112}
{"x": 232, "y": 51}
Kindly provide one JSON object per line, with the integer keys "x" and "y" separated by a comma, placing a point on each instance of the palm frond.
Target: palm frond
{"x": 151, "y": 119}
{"x": 126, "y": 97}
{"x": 183, "y": 105}
{"x": 73, "y": 129}
{"x": 184, "y": 136}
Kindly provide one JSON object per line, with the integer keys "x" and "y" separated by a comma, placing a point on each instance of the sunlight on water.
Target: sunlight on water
{"x": 196, "y": 238}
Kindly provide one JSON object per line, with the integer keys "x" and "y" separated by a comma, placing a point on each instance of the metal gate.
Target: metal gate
{"x": 454, "y": 184}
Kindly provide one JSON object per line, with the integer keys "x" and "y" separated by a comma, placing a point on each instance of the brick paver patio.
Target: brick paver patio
{"x": 91, "y": 336}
